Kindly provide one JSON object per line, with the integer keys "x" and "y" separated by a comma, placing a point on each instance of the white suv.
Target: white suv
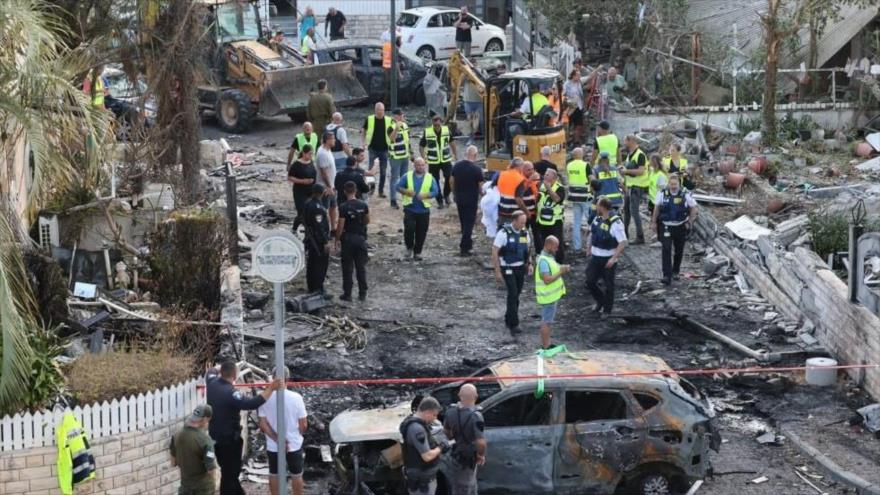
{"x": 429, "y": 33}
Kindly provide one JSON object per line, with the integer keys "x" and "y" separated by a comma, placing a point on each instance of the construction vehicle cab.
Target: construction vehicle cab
{"x": 510, "y": 133}
{"x": 247, "y": 78}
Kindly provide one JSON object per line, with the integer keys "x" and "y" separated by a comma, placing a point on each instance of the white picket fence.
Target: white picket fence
{"x": 25, "y": 431}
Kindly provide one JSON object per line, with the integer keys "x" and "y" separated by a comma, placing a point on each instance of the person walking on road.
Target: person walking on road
{"x": 512, "y": 190}
{"x": 637, "y": 176}
{"x": 375, "y": 133}
{"x": 421, "y": 451}
{"x": 512, "y": 261}
{"x": 321, "y": 107}
{"x": 317, "y": 240}
{"x": 351, "y": 236}
{"x": 579, "y": 194}
{"x": 225, "y": 424}
{"x": 417, "y": 187}
{"x": 302, "y": 174}
{"x": 399, "y": 151}
{"x": 192, "y": 452}
{"x": 551, "y": 211}
{"x": 464, "y": 424}
{"x": 674, "y": 213}
{"x": 438, "y": 148}
{"x": 467, "y": 185}
{"x": 549, "y": 286}
{"x": 606, "y": 243}
{"x": 296, "y": 423}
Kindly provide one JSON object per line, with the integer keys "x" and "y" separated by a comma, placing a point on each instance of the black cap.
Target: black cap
{"x": 317, "y": 189}
{"x": 605, "y": 125}
{"x": 397, "y": 111}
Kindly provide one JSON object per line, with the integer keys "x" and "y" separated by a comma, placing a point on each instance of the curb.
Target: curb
{"x": 837, "y": 473}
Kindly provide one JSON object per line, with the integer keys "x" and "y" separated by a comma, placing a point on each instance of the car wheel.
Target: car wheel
{"x": 234, "y": 111}
{"x": 425, "y": 53}
{"x": 653, "y": 484}
{"x": 494, "y": 45}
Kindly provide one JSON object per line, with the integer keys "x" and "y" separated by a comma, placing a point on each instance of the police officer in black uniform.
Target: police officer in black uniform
{"x": 464, "y": 423}
{"x": 317, "y": 240}
{"x": 351, "y": 238}
{"x": 674, "y": 213}
{"x": 512, "y": 262}
{"x": 225, "y": 426}
{"x": 421, "y": 451}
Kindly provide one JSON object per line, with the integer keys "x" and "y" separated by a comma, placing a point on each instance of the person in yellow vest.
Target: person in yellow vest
{"x": 100, "y": 90}
{"x": 417, "y": 188}
{"x": 657, "y": 178}
{"x": 192, "y": 451}
{"x": 399, "y": 151}
{"x": 608, "y": 142}
{"x": 579, "y": 194}
{"x": 533, "y": 104}
{"x": 375, "y": 131}
{"x": 306, "y": 137}
{"x": 439, "y": 151}
{"x": 549, "y": 286}
{"x": 75, "y": 462}
{"x": 674, "y": 163}
{"x": 637, "y": 176}
{"x": 550, "y": 211}
{"x": 308, "y": 47}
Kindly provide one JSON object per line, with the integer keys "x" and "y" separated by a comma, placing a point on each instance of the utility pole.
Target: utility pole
{"x": 392, "y": 31}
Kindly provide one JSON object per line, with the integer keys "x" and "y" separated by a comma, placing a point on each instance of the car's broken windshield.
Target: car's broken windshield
{"x": 237, "y": 22}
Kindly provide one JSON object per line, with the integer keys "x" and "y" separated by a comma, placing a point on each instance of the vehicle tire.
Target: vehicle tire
{"x": 234, "y": 111}
{"x": 425, "y": 53}
{"x": 495, "y": 45}
{"x": 653, "y": 483}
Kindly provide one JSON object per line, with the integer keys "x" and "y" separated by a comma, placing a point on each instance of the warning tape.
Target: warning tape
{"x": 562, "y": 376}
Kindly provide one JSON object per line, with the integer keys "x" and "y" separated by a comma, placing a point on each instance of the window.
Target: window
{"x": 375, "y": 55}
{"x": 582, "y": 406}
{"x": 450, "y": 18}
{"x": 435, "y": 21}
{"x": 520, "y": 410}
{"x": 474, "y": 21}
{"x": 352, "y": 54}
{"x": 408, "y": 20}
{"x": 237, "y": 22}
{"x": 647, "y": 401}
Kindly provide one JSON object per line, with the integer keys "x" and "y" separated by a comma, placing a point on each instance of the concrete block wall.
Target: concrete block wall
{"x": 802, "y": 287}
{"x": 127, "y": 464}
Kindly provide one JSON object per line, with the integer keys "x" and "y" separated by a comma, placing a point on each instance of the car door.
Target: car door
{"x": 432, "y": 36}
{"x": 603, "y": 438}
{"x": 522, "y": 435}
{"x": 479, "y": 36}
{"x": 373, "y": 63}
{"x": 448, "y": 41}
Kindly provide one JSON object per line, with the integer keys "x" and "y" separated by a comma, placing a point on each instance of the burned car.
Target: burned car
{"x": 603, "y": 434}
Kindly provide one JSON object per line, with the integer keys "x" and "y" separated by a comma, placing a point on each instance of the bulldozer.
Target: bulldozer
{"x": 247, "y": 78}
{"x": 508, "y": 134}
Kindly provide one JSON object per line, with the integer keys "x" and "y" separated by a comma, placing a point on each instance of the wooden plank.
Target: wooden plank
{"x": 114, "y": 417}
{"x": 87, "y": 419}
{"x": 292, "y": 333}
{"x": 96, "y": 421}
{"x": 6, "y": 434}
{"x": 132, "y": 414}
{"x": 141, "y": 411}
{"x": 166, "y": 405}
{"x": 16, "y": 432}
{"x": 105, "y": 420}
{"x": 38, "y": 429}
{"x": 28, "y": 430}
{"x": 150, "y": 414}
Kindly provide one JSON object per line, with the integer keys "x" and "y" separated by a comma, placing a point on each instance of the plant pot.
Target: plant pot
{"x": 726, "y": 166}
{"x": 864, "y": 150}
{"x": 775, "y": 205}
{"x": 734, "y": 180}
{"x": 758, "y": 165}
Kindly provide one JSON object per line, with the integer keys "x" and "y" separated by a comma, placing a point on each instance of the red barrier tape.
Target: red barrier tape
{"x": 566, "y": 376}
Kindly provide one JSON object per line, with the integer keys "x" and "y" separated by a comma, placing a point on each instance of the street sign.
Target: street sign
{"x": 278, "y": 257}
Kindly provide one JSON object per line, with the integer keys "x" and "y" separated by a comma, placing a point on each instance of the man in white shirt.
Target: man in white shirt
{"x": 341, "y": 150}
{"x": 296, "y": 424}
{"x": 674, "y": 213}
{"x": 325, "y": 165}
{"x": 605, "y": 244}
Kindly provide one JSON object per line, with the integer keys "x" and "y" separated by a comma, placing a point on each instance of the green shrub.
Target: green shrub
{"x": 114, "y": 375}
{"x": 829, "y": 232}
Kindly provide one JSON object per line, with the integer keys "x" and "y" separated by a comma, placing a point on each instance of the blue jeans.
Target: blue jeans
{"x": 579, "y": 212}
{"x": 383, "y": 165}
{"x": 399, "y": 167}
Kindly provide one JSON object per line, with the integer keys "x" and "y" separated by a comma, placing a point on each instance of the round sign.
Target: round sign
{"x": 278, "y": 257}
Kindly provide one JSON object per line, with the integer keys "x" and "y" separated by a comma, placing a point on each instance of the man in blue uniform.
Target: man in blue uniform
{"x": 225, "y": 427}
{"x": 606, "y": 243}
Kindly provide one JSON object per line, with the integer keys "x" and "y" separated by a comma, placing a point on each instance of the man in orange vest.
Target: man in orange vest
{"x": 530, "y": 197}
{"x": 512, "y": 189}
{"x": 386, "y": 65}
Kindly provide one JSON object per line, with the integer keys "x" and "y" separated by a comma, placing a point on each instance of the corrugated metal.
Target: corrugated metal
{"x": 717, "y": 18}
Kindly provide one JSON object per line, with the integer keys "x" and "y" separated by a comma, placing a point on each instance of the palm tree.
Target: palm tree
{"x": 40, "y": 107}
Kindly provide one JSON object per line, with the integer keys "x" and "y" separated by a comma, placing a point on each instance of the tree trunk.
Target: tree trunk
{"x": 772, "y": 38}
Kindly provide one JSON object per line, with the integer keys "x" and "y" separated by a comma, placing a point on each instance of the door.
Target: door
{"x": 602, "y": 440}
{"x": 522, "y": 436}
{"x": 448, "y": 42}
{"x": 479, "y": 36}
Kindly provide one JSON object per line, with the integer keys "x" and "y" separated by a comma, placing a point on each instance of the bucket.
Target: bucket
{"x": 818, "y": 374}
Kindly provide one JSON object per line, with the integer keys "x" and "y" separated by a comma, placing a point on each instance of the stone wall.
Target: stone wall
{"x": 804, "y": 289}
{"x": 127, "y": 464}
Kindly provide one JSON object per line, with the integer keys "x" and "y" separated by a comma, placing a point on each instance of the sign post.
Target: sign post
{"x": 277, "y": 258}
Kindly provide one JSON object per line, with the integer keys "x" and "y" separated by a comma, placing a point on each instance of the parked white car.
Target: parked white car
{"x": 429, "y": 33}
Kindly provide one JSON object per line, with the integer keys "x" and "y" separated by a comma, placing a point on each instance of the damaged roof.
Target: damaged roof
{"x": 738, "y": 23}
{"x": 582, "y": 363}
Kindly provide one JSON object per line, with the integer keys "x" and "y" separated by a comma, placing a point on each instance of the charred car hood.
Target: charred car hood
{"x": 373, "y": 424}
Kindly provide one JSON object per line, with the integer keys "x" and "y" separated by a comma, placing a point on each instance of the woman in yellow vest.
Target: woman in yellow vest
{"x": 674, "y": 163}
{"x": 657, "y": 179}
{"x": 549, "y": 286}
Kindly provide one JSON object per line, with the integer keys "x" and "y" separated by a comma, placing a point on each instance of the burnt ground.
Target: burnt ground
{"x": 444, "y": 317}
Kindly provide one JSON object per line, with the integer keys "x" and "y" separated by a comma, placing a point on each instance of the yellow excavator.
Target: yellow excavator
{"x": 508, "y": 133}
{"x": 247, "y": 78}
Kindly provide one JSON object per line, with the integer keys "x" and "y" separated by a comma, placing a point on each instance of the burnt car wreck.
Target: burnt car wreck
{"x": 643, "y": 434}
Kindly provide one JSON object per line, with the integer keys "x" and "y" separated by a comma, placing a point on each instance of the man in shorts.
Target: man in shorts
{"x": 296, "y": 423}
{"x": 549, "y": 286}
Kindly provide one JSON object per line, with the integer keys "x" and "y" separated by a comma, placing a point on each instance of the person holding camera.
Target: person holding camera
{"x": 463, "y": 32}
{"x": 464, "y": 424}
{"x": 421, "y": 451}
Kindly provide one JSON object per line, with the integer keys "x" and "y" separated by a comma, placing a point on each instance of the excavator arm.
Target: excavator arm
{"x": 458, "y": 68}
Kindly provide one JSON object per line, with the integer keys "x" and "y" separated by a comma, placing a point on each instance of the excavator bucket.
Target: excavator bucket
{"x": 287, "y": 90}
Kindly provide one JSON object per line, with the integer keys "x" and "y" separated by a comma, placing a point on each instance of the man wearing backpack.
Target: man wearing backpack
{"x": 464, "y": 424}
